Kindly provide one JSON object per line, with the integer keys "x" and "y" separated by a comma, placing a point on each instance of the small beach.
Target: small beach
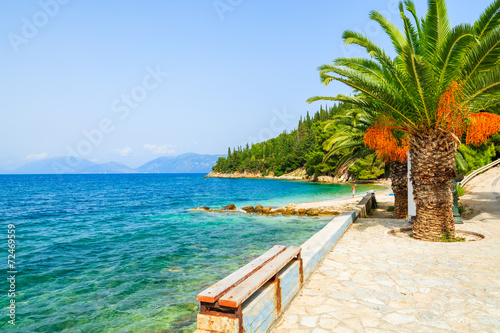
{"x": 330, "y": 207}
{"x": 346, "y": 203}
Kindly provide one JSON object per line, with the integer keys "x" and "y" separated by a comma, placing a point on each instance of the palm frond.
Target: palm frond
{"x": 321, "y": 98}
{"x": 483, "y": 55}
{"x": 488, "y": 20}
{"x": 410, "y": 6}
{"x": 412, "y": 37}
{"x": 420, "y": 76}
{"x": 436, "y": 26}
{"x": 351, "y": 37}
{"x": 444, "y": 22}
{"x": 397, "y": 38}
{"x": 450, "y": 57}
{"x": 484, "y": 90}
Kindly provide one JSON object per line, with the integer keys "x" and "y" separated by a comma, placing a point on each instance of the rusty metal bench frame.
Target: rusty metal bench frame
{"x": 225, "y": 298}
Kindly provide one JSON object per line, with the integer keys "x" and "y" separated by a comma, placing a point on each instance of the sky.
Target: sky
{"x": 129, "y": 81}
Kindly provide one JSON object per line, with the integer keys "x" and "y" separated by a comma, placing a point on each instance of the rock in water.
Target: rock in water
{"x": 328, "y": 212}
{"x": 229, "y": 207}
{"x": 206, "y": 209}
{"x": 248, "y": 209}
{"x": 312, "y": 212}
{"x": 259, "y": 208}
{"x": 266, "y": 210}
{"x": 302, "y": 211}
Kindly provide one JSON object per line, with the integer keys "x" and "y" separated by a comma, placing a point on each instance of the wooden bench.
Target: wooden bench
{"x": 227, "y": 296}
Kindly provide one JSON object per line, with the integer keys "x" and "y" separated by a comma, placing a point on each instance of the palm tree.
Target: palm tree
{"x": 352, "y": 127}
{"x": 435, "y": 89}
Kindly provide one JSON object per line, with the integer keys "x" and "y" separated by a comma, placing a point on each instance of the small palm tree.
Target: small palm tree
{"x": 353, "y": 127}
{"x": 350, "y": 127}
{"x": 435, "y": 89}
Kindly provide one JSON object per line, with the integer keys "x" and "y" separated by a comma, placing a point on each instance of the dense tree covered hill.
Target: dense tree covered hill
{"x": 302, "y": 147}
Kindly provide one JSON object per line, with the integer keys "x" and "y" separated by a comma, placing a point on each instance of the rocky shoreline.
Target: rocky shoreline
{"x": 291, "y": 209}
{"x": 330, "y": 207}
{"x": 295, "y": 175}
{"x": 299, "y": 174}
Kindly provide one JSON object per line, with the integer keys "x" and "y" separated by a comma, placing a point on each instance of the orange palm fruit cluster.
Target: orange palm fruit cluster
{"x": 451, "y": 113}
{"x": 382, "y": 139}
{"x": 481, "y": 126}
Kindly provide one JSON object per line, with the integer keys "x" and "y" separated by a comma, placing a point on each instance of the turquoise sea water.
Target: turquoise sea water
{"x": 121, "y": 253}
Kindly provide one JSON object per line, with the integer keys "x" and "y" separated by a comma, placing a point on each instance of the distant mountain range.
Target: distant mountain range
{"x": 185, "y": 163}
{"x": 111, "y": 167}
{"x": 56, "y": 165}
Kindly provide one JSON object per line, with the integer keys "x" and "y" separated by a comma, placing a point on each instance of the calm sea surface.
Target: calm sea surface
{"x": 121, "y": 253}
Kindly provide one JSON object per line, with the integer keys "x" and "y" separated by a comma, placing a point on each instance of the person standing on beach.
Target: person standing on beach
{"x": 353, "y": 190}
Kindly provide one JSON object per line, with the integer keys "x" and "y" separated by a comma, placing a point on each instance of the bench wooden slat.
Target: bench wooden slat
{"x": 236, "y": 296}
{"x": 213, "y": 293}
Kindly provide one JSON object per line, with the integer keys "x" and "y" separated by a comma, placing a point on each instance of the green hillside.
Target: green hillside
{"x": 304, "y": 147}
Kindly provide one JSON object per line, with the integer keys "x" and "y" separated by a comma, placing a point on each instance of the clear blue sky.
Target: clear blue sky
{"x": 238, "y": 71}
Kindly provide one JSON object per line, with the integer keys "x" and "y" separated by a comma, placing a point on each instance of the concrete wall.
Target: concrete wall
{"x": 260, "y": 311}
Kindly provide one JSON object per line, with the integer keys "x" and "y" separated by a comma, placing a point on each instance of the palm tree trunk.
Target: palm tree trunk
{"x": 399, "y": 179}
{"x": 432, "y": 172}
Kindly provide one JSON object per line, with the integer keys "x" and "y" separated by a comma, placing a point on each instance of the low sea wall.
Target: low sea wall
{"x": 261, "y": 311}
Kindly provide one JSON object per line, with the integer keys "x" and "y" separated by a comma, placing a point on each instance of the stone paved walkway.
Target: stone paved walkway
{"x": 375, "y": 282}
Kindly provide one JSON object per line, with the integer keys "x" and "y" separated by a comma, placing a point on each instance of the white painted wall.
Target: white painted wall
{"x": 412, "y": 209}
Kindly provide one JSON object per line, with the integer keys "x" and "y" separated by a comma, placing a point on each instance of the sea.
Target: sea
{"x": 124, "y": 253}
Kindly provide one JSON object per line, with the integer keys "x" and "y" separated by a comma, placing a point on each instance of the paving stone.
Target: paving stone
{"x": 490, "y": 321}
{"x": 340, "y": 258}
{"x": 456, "y": 300}
{"x": 341, "y": 295}
{"x": 363, "y": 292}
{"x": 375, "y": 301}
{"x": 381, "y": 296}
{"x": 397, "y": 295}
{"x": 354, "y": 323}
{"x": 328, "y": 323}
{"x": 378, "y": 307}
{"x": 344, "y": 276}
{"x": 386, "y": 283}
{"x": 309, "y": 321}
{"x": 370, "y": 322}
{"x": 319, "y": 330}
{"x": 291, "y": 318}
{"x": 289, "y": 326}
{"x": 397, "y": 319}
{"x": 313, "y": 292}
{"x": 344, "y": 329}
{"x": 493, "y": 311}
{"x": 350, "y": 284}
{"x": 437, "y": 324}
{"x": 320, "y": 309}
